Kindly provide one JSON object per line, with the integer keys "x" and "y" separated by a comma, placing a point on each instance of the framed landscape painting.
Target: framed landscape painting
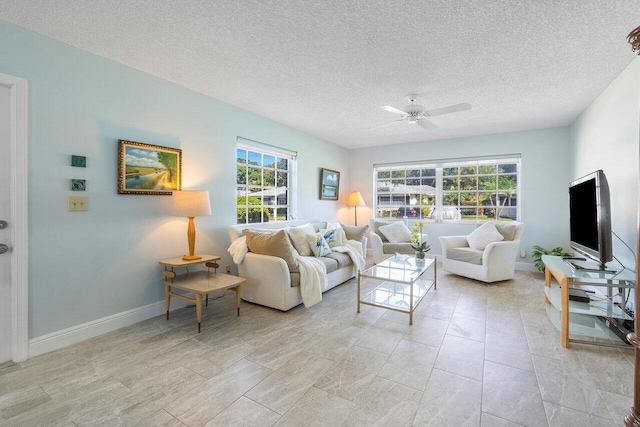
{"x": 329, "y": 184}
{"x": 148, "y": 169}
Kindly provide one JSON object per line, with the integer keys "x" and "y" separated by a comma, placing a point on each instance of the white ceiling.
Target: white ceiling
{"x": 326, "y": 66}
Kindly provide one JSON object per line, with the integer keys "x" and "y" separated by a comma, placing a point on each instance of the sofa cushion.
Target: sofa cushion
{"x": 355, "y": 232}
{"x": 330, "y": 263}
{"x": 318, "y": 245}
{"x": 472, "y": 256}
{"x": 298, "y": 237}
{"x": 376, "y": 229}
{"x": 334, "y": 237}
{"x": 274, "y": 244}
{"x": 484, "y": 235}
{"x": 396, "y": 232}
{"x": 508, "y": 231}
{"x": 343, "y": 260}
{"x": 401, "y": 248}
{"x": 295, "y": 279}
{"x": 318, "y": 225}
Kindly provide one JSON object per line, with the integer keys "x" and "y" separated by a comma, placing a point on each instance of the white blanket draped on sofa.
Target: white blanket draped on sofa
{"x": 313, "y": 273}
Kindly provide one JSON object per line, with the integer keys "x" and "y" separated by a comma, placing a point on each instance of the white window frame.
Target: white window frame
{"x": 290, "y": 189}
{"x": 439, "y": 166}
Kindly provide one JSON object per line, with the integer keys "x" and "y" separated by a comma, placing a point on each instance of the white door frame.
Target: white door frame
{"x": 18, "y": 146}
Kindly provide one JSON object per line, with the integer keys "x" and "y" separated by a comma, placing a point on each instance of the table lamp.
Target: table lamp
{"x": 190, "y": 204}
{"x": 355, "y": 200}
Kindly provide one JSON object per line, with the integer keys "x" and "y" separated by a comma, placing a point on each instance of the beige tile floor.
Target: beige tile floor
{"x": 477, "y": 354}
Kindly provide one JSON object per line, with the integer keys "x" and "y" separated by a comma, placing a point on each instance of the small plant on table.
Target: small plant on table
{"x": 416, "y": 240}
{"x": 538, "y": 251}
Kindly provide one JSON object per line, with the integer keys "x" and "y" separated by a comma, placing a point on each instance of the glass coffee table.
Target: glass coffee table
{"x": 402, "y": 287}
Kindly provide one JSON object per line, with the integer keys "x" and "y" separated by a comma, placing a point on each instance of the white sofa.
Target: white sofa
{"x": 268, "y": 279}
{"x": 495, "y": 263}
{"x": 381, "y": 248}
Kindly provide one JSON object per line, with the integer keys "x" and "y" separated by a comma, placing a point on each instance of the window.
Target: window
{"x": 264, "y": 177}
{"x": 475, "y": 190}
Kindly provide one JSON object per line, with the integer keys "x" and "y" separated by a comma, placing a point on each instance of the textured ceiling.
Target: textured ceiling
{"x": 326, "y": 66}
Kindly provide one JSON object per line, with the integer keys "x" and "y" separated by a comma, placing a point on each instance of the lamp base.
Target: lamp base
{"x": 191, "y": 257}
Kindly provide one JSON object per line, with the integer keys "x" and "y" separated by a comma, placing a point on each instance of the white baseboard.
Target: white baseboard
{"x": 526, "y": 266}
{"x": 75, "y": 334}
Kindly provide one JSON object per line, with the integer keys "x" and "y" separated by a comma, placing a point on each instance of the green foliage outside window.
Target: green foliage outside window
{"x": 252, "y": 215}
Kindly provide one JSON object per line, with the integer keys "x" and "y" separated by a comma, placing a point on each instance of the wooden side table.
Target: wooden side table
{"x": 198, "y": 283}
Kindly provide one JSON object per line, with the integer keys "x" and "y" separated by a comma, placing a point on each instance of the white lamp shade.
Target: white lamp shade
{"x": 190, "y": 203}
{"x": 355, "y": 199}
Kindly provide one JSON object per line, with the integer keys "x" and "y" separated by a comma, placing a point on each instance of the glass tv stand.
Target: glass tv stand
{"x": 583, "y": 319}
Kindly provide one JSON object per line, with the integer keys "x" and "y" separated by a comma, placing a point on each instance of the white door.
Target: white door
{"x": 5, "y": 233}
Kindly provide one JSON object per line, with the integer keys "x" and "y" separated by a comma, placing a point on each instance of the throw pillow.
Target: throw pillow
{"x": 318, "y": 245}
{"x": 508, "y": 231}
{"x": 355, "y": 232}
{"x": 334, "y": 237}
{"x": 299, "y": 238}
{"x": 274, "y": 244}
{"x": 483, "y": 235}
{"x": 376, "y": 229}
{"x": 396, "y": 232}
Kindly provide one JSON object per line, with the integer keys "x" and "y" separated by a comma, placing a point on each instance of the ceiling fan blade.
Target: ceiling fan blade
{"x": 426, "y": 124}
{"x": 387, "y": 124}
{"x": 450, "y": 109}
{"x": 393, "y": 110}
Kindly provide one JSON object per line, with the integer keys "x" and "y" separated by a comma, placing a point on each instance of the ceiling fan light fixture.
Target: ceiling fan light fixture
{"x": 418, "y": 114}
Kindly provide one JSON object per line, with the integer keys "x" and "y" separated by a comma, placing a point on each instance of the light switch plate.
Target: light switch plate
{"x": 78, "y": 204}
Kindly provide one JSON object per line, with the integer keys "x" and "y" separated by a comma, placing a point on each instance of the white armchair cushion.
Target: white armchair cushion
{"x": 508, "y": 230}
{"x": 483, "y": 235}
{"x": 472, "y": 256}
{"x": 396, "y": 232}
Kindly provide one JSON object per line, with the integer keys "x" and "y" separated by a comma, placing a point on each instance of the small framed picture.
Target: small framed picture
{"x": 329, "y": 184}
{"x": 79, "y": 161}
{"x": 148, "y": 169}
{"x": 78, "y": 185}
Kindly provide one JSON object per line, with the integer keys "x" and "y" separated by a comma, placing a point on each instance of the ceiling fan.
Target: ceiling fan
{"x": 416, "y": 113}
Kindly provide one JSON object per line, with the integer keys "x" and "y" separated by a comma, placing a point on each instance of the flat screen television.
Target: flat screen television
{"x": 590, "y": 220}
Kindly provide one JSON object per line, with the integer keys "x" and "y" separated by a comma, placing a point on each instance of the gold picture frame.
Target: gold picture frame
{"x": 329, "y": 184}
{"x": 148, "y": 169}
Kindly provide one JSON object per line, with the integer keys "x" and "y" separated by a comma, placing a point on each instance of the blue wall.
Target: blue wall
{"x": 606, "y": 136}
{"x": 86, "y": 266}
{"x": 544, "y": 178}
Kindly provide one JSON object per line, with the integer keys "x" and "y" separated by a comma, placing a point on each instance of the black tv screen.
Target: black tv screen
{"x": 590, "y": 223}
{"x": 584, "y": 214}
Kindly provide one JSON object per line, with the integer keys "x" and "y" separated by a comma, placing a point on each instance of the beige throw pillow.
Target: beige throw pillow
{"x": 355, "y": 232}
{"x": 508, "y": 231}
{"x": 299, "y": 238}
{"x": 396, "y": 232}
{"x": 274, "y": 244}
{"x": 483, "y": 235}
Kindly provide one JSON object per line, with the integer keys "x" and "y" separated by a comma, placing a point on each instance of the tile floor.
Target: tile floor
{"x": 476, "y": 355}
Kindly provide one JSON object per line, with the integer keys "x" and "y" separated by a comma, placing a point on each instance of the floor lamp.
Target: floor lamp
{"x": 633, "y": 417}
{"x": 355, "y": 200}
{"x": 190, "y": 204}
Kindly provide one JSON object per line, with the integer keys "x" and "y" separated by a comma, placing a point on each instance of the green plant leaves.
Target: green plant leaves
{"x": 538, "y": 251}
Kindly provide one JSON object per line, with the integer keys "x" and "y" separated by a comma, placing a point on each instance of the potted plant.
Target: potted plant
{"x": 538, "y": 251}
{"x": 416, "y": 240}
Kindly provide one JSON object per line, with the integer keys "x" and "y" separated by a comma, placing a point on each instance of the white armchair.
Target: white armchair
{"x": 496, "y": 262}
{"x": 382, "y": 249}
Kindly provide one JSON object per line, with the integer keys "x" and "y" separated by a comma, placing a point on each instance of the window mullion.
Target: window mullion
{"x": 439, "y": 208}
